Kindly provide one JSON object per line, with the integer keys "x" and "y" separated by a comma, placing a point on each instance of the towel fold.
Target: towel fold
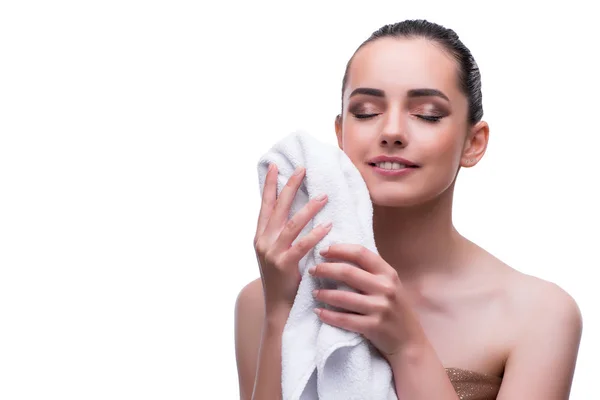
{"x": 320, "y": 361}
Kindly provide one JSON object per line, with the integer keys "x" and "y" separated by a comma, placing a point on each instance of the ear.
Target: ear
{"x": 475, "y": 144}
{"x": 338, "y": 130}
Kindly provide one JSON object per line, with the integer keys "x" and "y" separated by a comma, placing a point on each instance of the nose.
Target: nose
{"x": 394, "y": 129}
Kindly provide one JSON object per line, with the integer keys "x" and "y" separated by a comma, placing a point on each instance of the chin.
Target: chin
{"x": 393, "y": 198}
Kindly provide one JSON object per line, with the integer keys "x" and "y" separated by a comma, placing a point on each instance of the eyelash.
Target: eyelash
{"x": 428, "y": 118}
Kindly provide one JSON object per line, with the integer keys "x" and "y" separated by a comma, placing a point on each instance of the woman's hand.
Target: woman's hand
{"x": 380, "y": 311}
{"x": 277, "y": 258}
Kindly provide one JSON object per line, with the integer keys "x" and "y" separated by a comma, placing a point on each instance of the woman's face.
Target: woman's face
{"x": 417, "y": 112}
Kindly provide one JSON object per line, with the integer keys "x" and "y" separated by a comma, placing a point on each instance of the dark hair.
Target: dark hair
{"x": 469, "y": 77}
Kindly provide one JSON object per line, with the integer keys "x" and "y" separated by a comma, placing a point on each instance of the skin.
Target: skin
{"x": 471, "y": 309}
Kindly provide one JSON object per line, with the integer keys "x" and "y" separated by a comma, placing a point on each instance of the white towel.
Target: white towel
{"x": 320, "y": 361}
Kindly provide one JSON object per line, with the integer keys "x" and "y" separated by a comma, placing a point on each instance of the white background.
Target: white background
{"x": 129, "y": 136}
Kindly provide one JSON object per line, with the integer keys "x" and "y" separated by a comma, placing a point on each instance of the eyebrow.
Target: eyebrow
{"x": 411, "y": 93}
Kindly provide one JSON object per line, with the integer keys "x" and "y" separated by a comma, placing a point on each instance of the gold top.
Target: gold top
{"x": 471, "y": 385}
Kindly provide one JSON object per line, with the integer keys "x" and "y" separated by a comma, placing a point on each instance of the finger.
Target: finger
{"x": 351, "y": 322}
{"x": 359, "y": 255}
{"x": 269, "y": 199}
{"x": 305, "y": 244}
{"x": 353, "y": 276}
{"x": 284, "y": 202}
{"x": 350, "y": 301}
{"x": 294, "y": 225}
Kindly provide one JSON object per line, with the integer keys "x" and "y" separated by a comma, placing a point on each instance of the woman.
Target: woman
{"x": 452, "y": 320}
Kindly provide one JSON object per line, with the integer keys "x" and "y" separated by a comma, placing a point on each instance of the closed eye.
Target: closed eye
{"x": 429, "y": 118}
{"x": 364, "y": 116}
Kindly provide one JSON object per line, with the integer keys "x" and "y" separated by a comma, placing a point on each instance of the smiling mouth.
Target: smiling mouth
{"x": 391, "y": 166}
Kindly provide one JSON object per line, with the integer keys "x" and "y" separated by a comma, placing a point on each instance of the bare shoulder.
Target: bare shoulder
{"x": 249, "y": 314}
{"x": 545, "y": 331}
{"x": 250, "y": 299}
{"x": 546, "y": 307}
{"x": 540, "y": 300}
{"x": 525, "y": 297}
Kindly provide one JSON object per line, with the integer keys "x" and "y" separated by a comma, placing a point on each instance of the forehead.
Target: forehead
{"x": 397, "y": 65}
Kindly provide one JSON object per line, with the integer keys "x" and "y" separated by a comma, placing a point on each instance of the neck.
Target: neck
{"x": 421, "y": 240}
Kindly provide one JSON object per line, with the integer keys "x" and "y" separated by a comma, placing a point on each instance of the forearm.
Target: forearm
{"x": 267, "y": 384}
{"x": 420, "y": 375}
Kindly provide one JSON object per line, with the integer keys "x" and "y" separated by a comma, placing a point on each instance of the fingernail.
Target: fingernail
{"x": 315, "y": 293}
{"x": 312, "y": 269}
{"x": 298, "y": 171}
{"x": 328, "y": 225}
{"x": 321, "y": 197}
{"x": 324, "y": 251}
{"x": 270, "y": 167}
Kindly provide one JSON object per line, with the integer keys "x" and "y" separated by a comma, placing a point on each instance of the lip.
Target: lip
{"x": 392, "y": 172}
{"x": 384, "y": 158}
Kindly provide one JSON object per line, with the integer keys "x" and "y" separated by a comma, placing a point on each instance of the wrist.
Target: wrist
{"x": 277, "y": 316}
{"x": 411, "y": 352}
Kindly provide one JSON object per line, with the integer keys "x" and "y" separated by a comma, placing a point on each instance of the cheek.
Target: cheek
{"x": 357, "y": 158}
{"x": 442, "y": 157}
{"x": 354, "y": 145}
{"x": 442, "y": 148}
{"x": 357, "y": 153}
